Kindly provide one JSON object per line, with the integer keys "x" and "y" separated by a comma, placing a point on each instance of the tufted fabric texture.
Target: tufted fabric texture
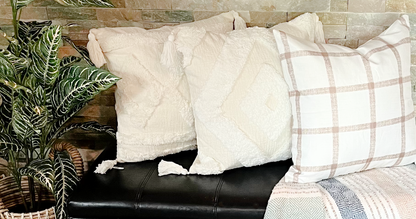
{"x": 239, "y": 98}
{"x": 152, "y": 101}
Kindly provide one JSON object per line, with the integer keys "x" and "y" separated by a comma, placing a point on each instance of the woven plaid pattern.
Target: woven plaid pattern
{"x": 383, "y": 193}
{"x": 352, "y": 109}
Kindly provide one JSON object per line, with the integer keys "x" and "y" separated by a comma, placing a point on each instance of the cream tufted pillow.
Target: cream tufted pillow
{"x": 152, "y": 101}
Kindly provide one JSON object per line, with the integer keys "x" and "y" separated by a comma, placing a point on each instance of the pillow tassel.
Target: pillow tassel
{"x": 169, "y": 53}
{"x": 167, "y": 167}
{"x": 239, "y": 22}
{"x": 107, "y": 165}
{"x": 94, "y": 49}
{"x": 319, "y": 33}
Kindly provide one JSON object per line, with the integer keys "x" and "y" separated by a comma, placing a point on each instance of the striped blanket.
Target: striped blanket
{"x": 379, "y": 193}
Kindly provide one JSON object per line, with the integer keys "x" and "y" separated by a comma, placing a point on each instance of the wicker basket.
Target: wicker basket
{"x": 10, "y": 195}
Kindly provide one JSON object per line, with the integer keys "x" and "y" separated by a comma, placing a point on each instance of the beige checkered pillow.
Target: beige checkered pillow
{"x": 352, "y": 109}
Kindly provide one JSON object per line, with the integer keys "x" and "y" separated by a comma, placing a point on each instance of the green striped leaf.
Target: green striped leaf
{"x": 6, "y": 105}
{"x": 30, "y": 81}
{"x": 22, "y": 3}
{"x": 67, "y": 93}
{"x": 42, "y": 171}
{"x": 83, "y": 3}
{"x": 44, "y": 52}
{"x": 28, "y": 33}
{"x": 7, "y": 70}
{"x": 69, "y": 60}
{"x": 57, "y": 124}
{"x": 89, "y": 126}
{"x": 79, "y": 84}
{"x": 80, "y": 49}
{"x": 21, "y": 117}
{"x": 20, "y": 64}
{"x": 66, "y": 180}
{"x": 41, "y": 112}
{"x": 101, "y": 79}
{"x": 8, "y": 143}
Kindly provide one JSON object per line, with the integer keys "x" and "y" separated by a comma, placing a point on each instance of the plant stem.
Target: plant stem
{"x": 32, "y": 193}
{"x": 15, "y": 21}
{"x": 17, "y": 177}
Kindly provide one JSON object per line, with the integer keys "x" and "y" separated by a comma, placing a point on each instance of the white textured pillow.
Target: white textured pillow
{"x": 152, "y": 101}
{"x": 352, "y": 109}
{"x": 240, "y": 100}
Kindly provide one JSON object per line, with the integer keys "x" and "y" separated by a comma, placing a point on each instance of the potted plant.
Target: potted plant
{"x": 39, "y": 93}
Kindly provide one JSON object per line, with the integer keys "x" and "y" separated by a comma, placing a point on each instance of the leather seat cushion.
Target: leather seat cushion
{"x": 138, "y": 191}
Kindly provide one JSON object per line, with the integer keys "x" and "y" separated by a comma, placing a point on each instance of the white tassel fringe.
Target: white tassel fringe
{"x": 167, "y": 167}
{"x": 239, "y": 22}
{"x": 104, "y": 166}
{"x": 169, "y": 55}
{"x": 94, "y": 49}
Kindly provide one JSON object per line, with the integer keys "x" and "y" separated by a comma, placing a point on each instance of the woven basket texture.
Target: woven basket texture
{"x": 10, "y": 195}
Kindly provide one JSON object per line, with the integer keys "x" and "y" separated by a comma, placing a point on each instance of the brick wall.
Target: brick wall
{"x": 346, "y": 22}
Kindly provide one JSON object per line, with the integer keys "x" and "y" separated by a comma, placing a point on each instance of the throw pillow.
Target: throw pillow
{"x": 152, "y": 101}
{"x": 352, "y": 108}
{"x": 240, "y": 100}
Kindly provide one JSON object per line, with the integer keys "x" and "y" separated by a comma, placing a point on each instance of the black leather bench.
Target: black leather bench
{"x": 138, "y": 191}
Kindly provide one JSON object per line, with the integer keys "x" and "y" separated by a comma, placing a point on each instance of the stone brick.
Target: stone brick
{"x": 208, "y": 5}
{"x": 257, "y": 25}
{"x": 413, "y": 75}
{"x": 201, "y": 15}
{"x": 292, "y": 15}
{"x": 395, "y": 5}
{"x": 335, "y": 31}
{"x": 333, "y": 18}
{"x": 167, "y": 16}
{"x": 243, "y": 14}
{"x": 367, "y": 6}
{"x": 274, "y": 5}
{"x": 119, "y": 3}
{"x": 129, "y": 24}
{"x": 67, "y": 51}
{"x": 412, "y": 21}
{"x": 413, "y": 59}
{"x": 410, "y": 6}
{"x": 44, "y": 3}
{"x": 267, "y": 17}
{"x": 153, "y": 25}
{"x": 8, "y": 30}
{"x": 339, "y": 5}
{"x": 5, "y": 22}
{"x": 97, "y": 111}
{"x": 413, "y": 47}
{"x": 149, "y": 4}
{"x": 118, "y": 14}
{"x": 110, "y": 91}
{"x": 3, "y": 43}
{"x": 84, "y": 26}
{"x": 375, "y": 19}
{"x": 364, "y": 33}
{"x": 72, "y": 13}
{"x": 28, "y": 13}
{"x": 78, "y": 36}
{"x": 4, "y": 3}
{"x": 103, "y": 101}
{"x": 353, "y": 44}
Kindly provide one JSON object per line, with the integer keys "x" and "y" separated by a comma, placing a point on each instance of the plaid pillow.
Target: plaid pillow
{"x": 352, "y": 109}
